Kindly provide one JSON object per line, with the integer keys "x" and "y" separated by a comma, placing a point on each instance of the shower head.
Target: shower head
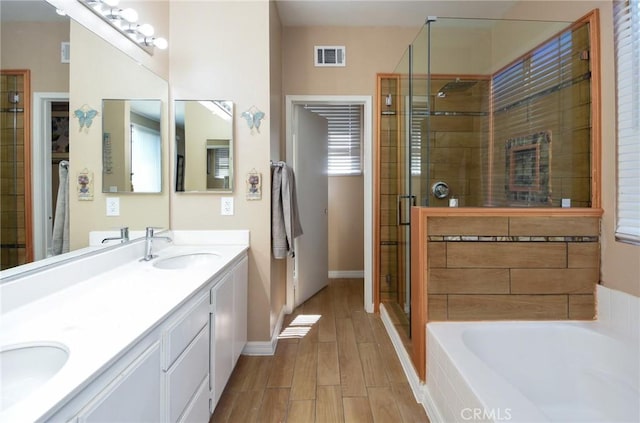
{"x": 455, "y": 87}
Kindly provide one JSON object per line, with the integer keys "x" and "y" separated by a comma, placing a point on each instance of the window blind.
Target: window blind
{"x": 221, "y": 162}
{"x": 543, "y": 93}
{"x": 345, "y": 137}
{"x": 627, "y": 52}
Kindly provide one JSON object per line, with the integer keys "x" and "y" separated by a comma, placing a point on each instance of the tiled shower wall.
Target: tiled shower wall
{"x": 388, "y": 156}
{"x": 12, "y": 189}
{"x": 511, "y": 268}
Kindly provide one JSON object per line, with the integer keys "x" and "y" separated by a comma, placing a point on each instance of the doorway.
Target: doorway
{"x": 366, "y": 219}
{"x": 50, "y": 147}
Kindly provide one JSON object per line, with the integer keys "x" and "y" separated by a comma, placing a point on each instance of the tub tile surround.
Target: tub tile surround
{"x": 99, "y": 305}
{"x": 512, "y": 267}
{"x": 619, "y": 312}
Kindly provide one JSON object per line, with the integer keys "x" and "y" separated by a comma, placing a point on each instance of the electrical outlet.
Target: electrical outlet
{"x": 226, "y": 206}
{"x": 113, "y": 206}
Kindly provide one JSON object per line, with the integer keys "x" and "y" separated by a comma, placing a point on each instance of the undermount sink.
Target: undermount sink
{"x": 26, "y": 367}
{"x": 186, "y": 260}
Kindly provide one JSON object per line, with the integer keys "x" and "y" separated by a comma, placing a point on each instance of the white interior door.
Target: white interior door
{"x": 311, "y": 265}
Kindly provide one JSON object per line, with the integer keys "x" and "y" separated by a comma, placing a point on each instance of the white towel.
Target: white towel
{"x": 285, "y": 221}
{"x": 61, "y": 221}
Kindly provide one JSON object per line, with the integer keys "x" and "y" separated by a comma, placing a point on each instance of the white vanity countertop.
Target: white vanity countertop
{"x": 99, "y": 318}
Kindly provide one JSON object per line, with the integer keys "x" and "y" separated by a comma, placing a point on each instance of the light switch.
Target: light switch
{"x": 226, "y": 206}
{"x": 113, "y": 206}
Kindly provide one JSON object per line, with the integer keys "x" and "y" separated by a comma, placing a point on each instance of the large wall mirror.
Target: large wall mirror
{"x": 131, "y": 146}
{"x": 204, "y": 145}
{"x": 101, "y": 71}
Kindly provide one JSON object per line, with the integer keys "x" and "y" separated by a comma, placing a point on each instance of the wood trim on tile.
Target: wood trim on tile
{"x": 553, "y": 226}
{"x": 509, "y": 212}
{"x": 593, "y": 18}
{"x": 507, "y": 307}
{"x": 506, "y": 255}
{"x": 554, "y": 281}
{"x": 469, "y": 225}
{"x": 419, "y": 306}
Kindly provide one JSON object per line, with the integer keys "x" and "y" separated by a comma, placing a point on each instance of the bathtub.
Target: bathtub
{"x": 530, "y": 372}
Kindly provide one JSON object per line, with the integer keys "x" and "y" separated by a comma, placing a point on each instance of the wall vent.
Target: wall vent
{"x": 330, "y": 56}
{"x": 65, "y": 52}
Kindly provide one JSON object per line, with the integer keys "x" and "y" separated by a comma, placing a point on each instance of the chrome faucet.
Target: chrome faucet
{"x": 124, "y": 236}
{"x": 148, "y": 243}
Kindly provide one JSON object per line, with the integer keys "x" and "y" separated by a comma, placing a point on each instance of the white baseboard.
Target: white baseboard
{"x": 418, "y": 388}
{"x": 340, "y": 274}
{"x": 266, "y": 347}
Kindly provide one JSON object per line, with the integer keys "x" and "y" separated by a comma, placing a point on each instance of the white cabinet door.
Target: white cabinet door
{"x": 134, "y": 396}
{"x": 222, "y": 336}
{"x": 240, "y": 295}
{"x": 198, "y": 410}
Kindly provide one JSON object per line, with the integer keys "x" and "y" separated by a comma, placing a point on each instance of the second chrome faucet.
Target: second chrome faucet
{"x": 148, "y": 243}
{"x": 124, "y": 236}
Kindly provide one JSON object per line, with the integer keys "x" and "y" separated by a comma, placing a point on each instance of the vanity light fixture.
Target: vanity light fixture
{"x": 125, "y": 22}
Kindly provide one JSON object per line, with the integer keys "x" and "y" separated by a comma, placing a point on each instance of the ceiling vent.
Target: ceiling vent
{"x": 330, "y": 56}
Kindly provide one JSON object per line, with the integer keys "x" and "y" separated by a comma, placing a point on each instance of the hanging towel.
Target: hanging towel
{"x": 285, "y": 221}
{"x": 61, "y": 221}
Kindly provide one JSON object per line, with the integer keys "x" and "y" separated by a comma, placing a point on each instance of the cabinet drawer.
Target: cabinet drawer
{"x": 198, "y": 410}
{"x": 190, "y": 370}
{"x": 180, "y": 334}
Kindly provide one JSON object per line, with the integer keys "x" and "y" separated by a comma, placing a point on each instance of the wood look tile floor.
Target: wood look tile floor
{"x": 334, "y": 363}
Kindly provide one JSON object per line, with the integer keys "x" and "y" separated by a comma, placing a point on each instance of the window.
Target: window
{"x": 627, "y": 51}
{"x": 146, "y": 156}
{"x": 218, "y": 161}
{"x": 544, "y": 95}
{"x": 345, "y": 137}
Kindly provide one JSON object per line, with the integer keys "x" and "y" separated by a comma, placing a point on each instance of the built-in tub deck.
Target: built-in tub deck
{"x": 556, "y": 371}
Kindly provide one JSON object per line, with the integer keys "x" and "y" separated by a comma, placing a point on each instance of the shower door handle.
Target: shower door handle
{"x": 404, "y": 213}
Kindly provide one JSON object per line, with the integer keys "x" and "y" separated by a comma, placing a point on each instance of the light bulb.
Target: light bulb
{"x": 129, "y": 15}
{"x": 161, "y": 43}
{"x": 111, "y": 3}
{"x": 146, "y": 30}
{"x": 61, "y": 12}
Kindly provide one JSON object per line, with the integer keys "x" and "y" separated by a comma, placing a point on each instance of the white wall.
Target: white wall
{"x": 220, "y": 51}
{"x": 100, "y": 71}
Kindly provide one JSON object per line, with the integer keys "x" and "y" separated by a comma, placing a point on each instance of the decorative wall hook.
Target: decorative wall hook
{"x": 85, "y": 115}
{"x": 253, "y": 116}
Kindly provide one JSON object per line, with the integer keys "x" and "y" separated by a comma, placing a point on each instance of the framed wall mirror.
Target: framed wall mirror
{"x": 204, "y": 145}
{"x": 131, "y": 146}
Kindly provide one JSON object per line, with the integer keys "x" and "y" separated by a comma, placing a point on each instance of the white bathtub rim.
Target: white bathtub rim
{"x": 478, "y": 376}
{"x": 497, "y": 394}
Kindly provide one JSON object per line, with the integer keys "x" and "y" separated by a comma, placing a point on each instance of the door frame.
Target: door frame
{"x": 367, "y": 171}
{"x": 41, "y": 169}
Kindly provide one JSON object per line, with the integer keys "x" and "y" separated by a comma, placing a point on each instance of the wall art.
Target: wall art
{"x": 254, "y": 185}
{"x": 85, "y": 185}
{"x": 253, "y": 116}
